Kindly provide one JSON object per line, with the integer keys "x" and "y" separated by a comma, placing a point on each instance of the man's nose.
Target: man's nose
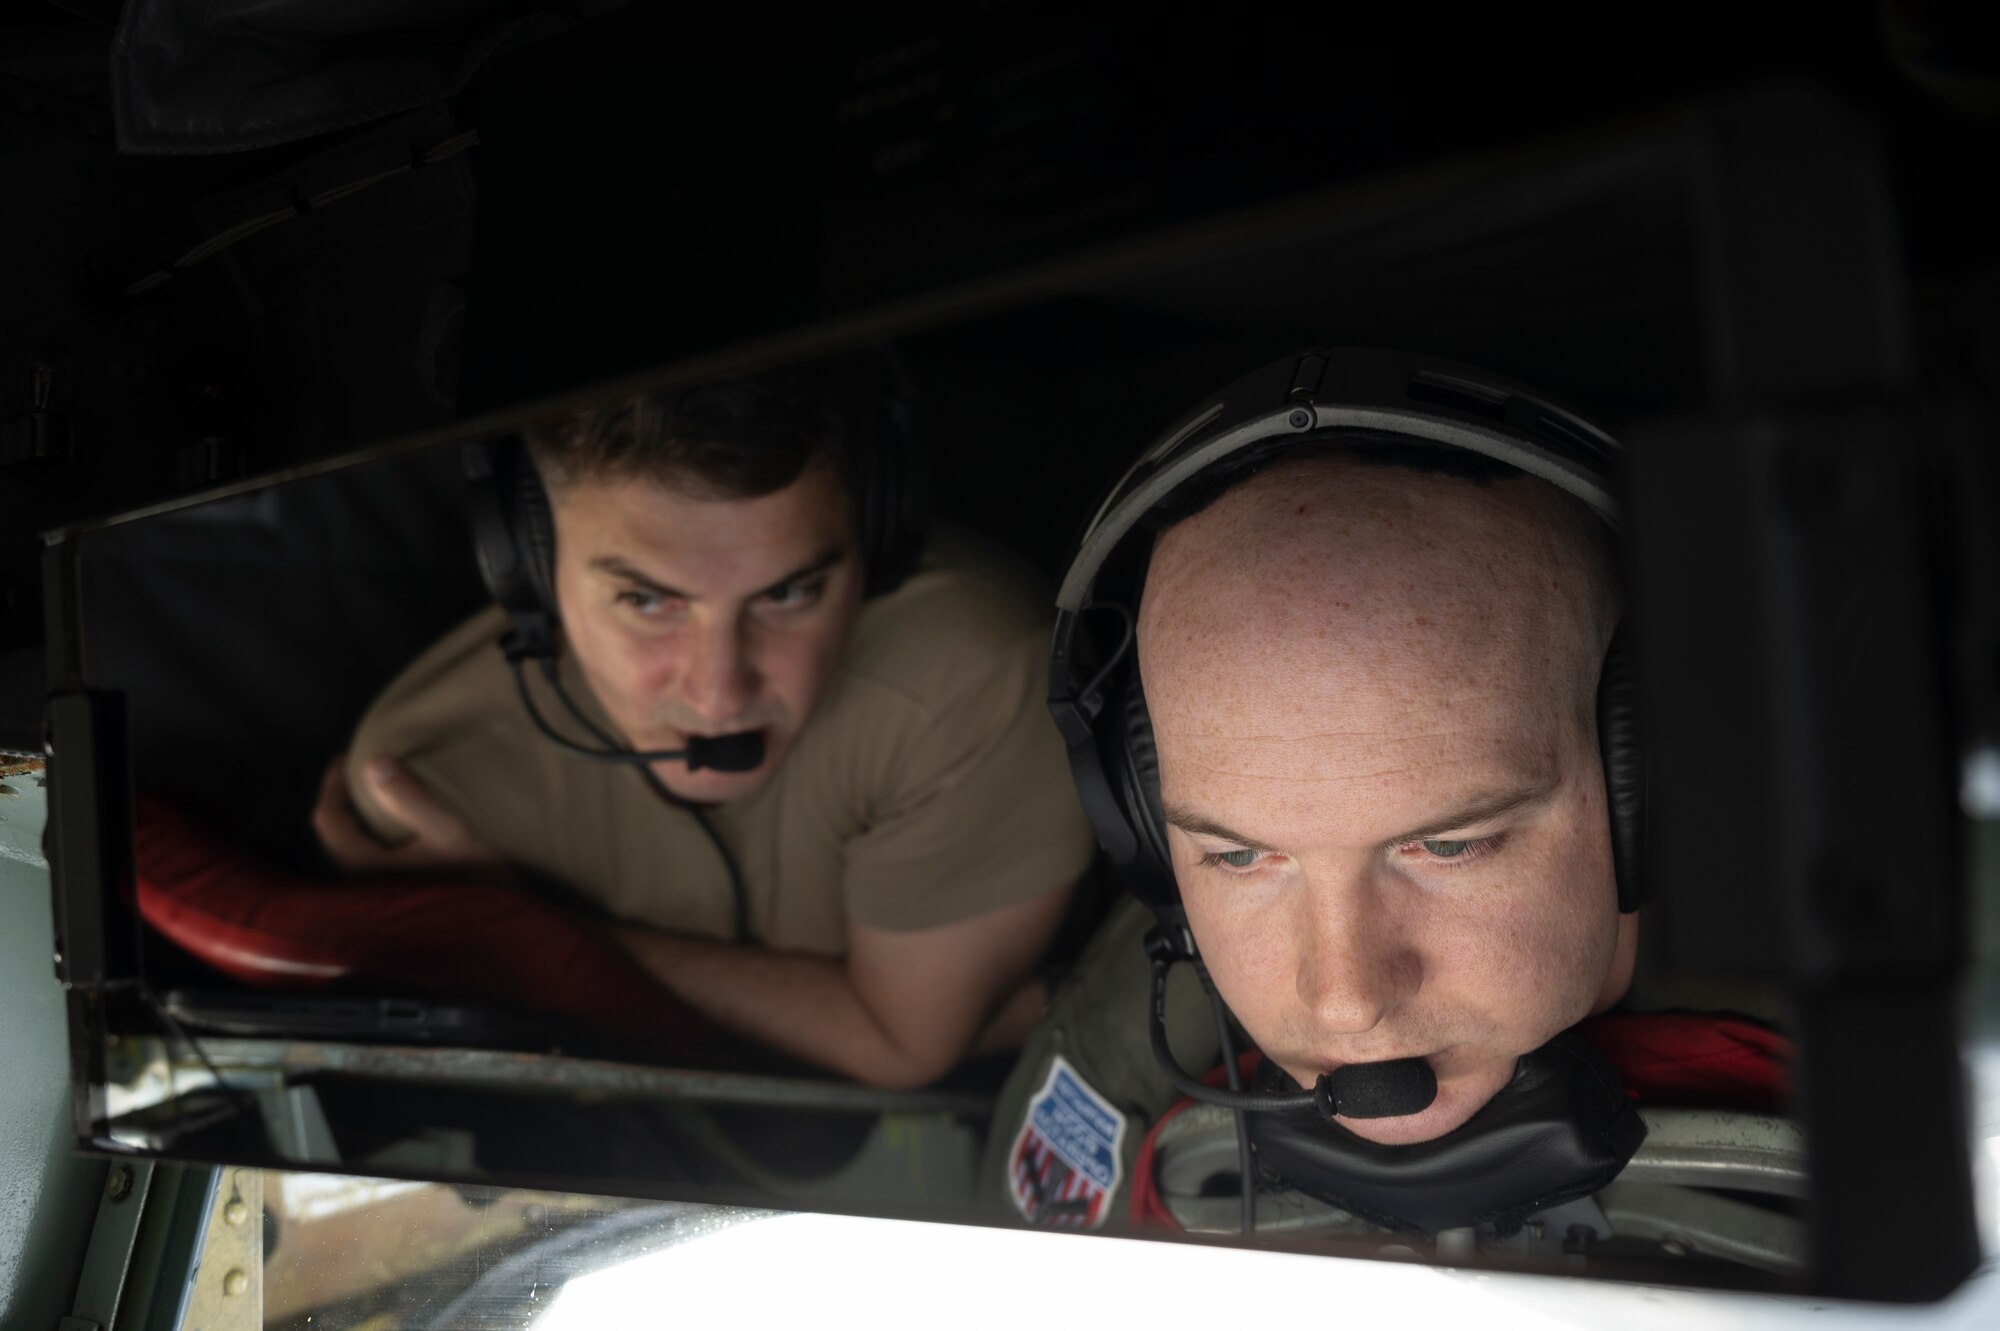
{"x": 1355, "y": 963}
{"x": 720, "y": 680}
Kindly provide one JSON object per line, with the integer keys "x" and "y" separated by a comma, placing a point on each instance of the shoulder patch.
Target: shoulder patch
{"x": 1067, "y": 1160}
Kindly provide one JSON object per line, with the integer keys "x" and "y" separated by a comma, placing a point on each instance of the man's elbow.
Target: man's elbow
{"x": 905, "y": 1072}
{"x": 901, "y": 1068}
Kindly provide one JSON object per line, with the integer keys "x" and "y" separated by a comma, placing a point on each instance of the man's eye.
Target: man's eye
{"x": 794, "y": 595}
{"x": 1232, "y": 859}
{"x": 1454, "y": 851}
{"x": 645, "y": 602}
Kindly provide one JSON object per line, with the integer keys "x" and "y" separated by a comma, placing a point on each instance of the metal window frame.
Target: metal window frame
{"x": 1810, "y": 373}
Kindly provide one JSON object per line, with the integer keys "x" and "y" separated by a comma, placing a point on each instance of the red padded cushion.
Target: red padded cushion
{"x": 1695, "y": 1060}
{"x": 472, "y": 941}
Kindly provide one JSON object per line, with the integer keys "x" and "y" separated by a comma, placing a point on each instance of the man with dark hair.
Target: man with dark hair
{"x": 735, "y": 439}
{"x": 873, "y": 895}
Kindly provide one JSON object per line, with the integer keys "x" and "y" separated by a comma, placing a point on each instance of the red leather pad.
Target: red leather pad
{"x": 475, "y": 942}
{"x": 1695, "y": 1060}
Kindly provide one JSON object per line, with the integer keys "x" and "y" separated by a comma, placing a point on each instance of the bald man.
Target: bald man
{"x": 1373, "y": 690}
{"x": 1371, "y": 667}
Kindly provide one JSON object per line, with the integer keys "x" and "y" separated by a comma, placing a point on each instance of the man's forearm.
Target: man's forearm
{"x": 800, "y": 1005}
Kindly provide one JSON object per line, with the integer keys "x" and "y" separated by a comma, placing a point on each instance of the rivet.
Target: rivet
{"x": 236, "y": 1282}
{"x": 235, "y": 1213}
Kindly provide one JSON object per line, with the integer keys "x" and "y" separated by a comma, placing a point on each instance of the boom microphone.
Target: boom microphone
{"x": 1389, "y": 1089}
{"x": 742, "y": 751}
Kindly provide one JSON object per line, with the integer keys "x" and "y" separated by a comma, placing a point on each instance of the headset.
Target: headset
{"x": 514, "y": 536}
{"x": 1095, "y": 695}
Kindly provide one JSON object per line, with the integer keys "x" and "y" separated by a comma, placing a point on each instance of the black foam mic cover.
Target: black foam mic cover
{"x": 740, "y": 752}
{"x": 1561, "y": 1128}
{"x": 1376, "y": 1090}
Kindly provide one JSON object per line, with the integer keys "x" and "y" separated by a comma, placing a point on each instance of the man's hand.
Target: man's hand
{"x": 438, "y": 840}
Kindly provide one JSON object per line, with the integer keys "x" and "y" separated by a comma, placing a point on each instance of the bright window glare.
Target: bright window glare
{"x": 891, "y": 1274}
{"x": 1984, "y": 1067}
{"x": 1986, "y": 1169}
{"x": 896, "y": 1273}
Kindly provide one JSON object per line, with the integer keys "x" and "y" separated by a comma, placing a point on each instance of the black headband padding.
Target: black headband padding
{"x": 533, "y": 523}
{"x": 1139, "y": 774}
{"x": 1624, "y": 772}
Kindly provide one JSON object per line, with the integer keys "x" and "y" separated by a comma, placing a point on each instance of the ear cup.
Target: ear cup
{"x": 514, "y": 539}
{"x": 1624, "y": 770}
{"x": 874, "y": 484}
{"x": 534, "y": 526}
{"x": 893, "y": 496}
{"x": 1138, "y": 775}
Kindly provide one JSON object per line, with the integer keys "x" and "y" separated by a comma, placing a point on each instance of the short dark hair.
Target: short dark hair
{"x": 727, "y": 439}
{"x": 1373, "y": 447}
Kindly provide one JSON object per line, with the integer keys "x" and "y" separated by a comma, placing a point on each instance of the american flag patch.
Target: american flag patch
{"x": 1066, "y": 1162}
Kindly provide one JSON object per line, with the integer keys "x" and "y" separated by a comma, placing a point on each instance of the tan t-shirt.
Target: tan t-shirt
{"x": 929, "y": 786}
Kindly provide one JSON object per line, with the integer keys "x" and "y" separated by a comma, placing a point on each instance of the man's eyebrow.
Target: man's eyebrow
{"x": 819, "y": 563}
{"x": 619, "y": 568}
{"x": 1479, "y": 809}
{"x": 1196, "y": 823}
